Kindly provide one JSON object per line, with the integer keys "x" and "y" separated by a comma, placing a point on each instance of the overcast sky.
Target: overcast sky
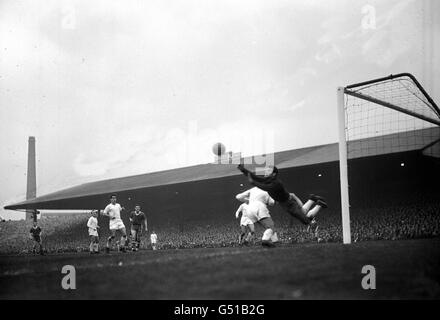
{"x": 115, "y": 88}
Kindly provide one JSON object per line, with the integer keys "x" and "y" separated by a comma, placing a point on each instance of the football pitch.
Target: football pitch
{"x": 404, "y": 269}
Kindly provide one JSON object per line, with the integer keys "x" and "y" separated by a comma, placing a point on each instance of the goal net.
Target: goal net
{"x": 389, "y": 132}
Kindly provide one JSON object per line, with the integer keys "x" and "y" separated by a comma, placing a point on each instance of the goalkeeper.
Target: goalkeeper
{"x": 288, "y": 201}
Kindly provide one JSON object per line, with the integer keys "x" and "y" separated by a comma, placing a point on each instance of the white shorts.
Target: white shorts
{"x": 93, "y": 233}
{"x": 263, "y": 214}
{"x": 116, "y": 224}
{"x": 257, "y": 211}
{"x": 244, "y": 221}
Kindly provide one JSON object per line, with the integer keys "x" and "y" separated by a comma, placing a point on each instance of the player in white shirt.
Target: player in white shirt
{"x": 92, "y": 224}
{"x": 245, "y": 223}
{"x": 258, "y": 212}
{"x": 153, "y": 240}
{"x": 113, "y": 211}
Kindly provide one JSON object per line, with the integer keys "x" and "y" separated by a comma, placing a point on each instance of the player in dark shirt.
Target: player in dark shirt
{"x": 35, "y": 234}
{"x": 288, "y": 201}
{"x": 137, "y": 219}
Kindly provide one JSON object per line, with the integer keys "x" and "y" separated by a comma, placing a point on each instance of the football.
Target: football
{"x": 218, "y": 148}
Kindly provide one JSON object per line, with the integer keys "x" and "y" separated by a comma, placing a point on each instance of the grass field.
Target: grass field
{"x": 404, "y": 269}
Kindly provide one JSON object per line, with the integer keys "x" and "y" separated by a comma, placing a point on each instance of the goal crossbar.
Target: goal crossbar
{"x": 396, "y": 76}
{"x": 391, "y": 106}
{"x": 432, "y": 105}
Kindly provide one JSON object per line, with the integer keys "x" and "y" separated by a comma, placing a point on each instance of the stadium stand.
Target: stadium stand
{"x": 392, "y": 196}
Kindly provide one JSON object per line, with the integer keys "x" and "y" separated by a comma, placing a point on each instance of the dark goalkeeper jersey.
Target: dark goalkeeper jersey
{"x": 35, "y": 232}
{"x": 276, "y": 190}
{"x": 272, "y": 185}
{"x": 137, "y": 219}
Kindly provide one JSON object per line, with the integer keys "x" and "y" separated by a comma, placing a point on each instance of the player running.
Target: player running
{"x": 113, "y": 211}
{"x": 245, "y": 224}
{"x": 257, "y": 211}
{"x": 137, "y": 219}
{"x": 92, "y": 224}
{"x": 35, "y": 234}
{"x": 288, "y": 201}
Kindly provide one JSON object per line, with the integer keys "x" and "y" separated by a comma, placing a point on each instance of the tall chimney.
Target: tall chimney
{"x": 31, "y": 191}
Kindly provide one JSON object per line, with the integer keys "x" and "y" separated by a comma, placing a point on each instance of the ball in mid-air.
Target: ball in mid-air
{"x": 218, "y": 148}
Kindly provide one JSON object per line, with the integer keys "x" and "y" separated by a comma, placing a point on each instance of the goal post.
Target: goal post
{"x": 343, "y": 173}
{"x": 381, "y": 117}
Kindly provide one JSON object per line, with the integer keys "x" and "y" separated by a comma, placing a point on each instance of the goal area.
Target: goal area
{"x": 381, "y": 122}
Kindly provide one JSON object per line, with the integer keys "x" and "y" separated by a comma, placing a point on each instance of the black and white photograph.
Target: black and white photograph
{"x": 226, "y": 152}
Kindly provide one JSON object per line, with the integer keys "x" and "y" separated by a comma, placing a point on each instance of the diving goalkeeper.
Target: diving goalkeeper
{"x": 288, "y": 201}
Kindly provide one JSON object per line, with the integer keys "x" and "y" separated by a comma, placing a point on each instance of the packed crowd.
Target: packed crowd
{"x": 68, "y": 233}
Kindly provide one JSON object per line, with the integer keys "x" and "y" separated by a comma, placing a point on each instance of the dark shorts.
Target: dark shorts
{"x": 292, "y": 206}
{"x": 37, "y": 239}
{"x": 136, "y": 227}
{"x": 267, "y": 223}
{"x": 295, "y": 209}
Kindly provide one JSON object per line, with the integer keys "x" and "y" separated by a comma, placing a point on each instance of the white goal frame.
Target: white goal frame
{"x": 343, "y": 155}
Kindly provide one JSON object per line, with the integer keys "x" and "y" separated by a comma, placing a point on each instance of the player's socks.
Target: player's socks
{"x": 312, "y": 213}
{"x": 266, "y": 240}
{"x": 308, "y": 205}
{"x": 249, "y": 237}
{"x": 322, "y": 203}
{"x": 109, "y": 240}
{"x": 123, "y": 243}
{"x": 241, "y": 238}
{"x": 268, "y": 233}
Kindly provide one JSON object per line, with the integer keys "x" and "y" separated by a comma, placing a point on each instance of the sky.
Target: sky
{"x": 117, "y": 88}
